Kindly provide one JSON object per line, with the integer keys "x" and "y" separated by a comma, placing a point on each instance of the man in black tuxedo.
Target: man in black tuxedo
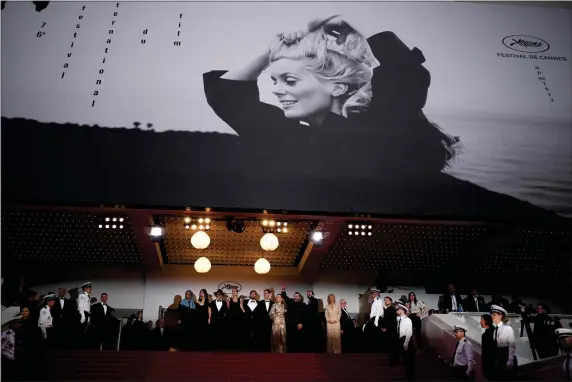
{"x": 263, "y": 322}
{"x": 104, "y": 325}
{"x": 315, "y": 330}
{"x": 217, "y": 320}
{"x": 347, "y": 327}
{"x": 474, "y": 302}
{"x": 160, "y": 338}
{"x": 450, "y": 301}
{"x": 64, "y": 314}
{"x": 250, "y": 307}
{"x": 295, "y": 322}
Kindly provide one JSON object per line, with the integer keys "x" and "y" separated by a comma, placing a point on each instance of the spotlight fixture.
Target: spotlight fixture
{"x": 237, "y": 226}
{"x": 274, "y": 226}
{"x": 156, "y": 232}
{"x": 318, "y": 235}
{"x": 111, "y": 222}
{"x": 194, "y": 224}
{"x": 360, "y": 229}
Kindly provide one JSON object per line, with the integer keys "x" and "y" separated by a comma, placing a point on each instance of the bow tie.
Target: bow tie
{"x": 266, "y": 300}
{"x": 62, "y": 298}
{"x": 251, "y": 300}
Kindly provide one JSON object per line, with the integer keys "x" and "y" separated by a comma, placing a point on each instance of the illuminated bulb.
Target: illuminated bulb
{"x": 202, "y": 265}
{"x": 262, "y": 266}
{"x": 208, "y": 221}
{"x": 100, "y": 226}
{"x": 114, "y": 226}
{"x": 278, "y": 224}
{"x": 363, "y": 233}
{"x": 201, "y": 227}
{"x": 194, "y": 226}
{"x": 156, "y": 231}
{"x": 114, "y": 219}
{"x": 120, "y": 219}
{"x": 368, "y": 227}
{"x": 362, "y": 227}
{"x": 107, "y": 226}
{"x": 279, "y": 230}
{"x": 357, "y": 233}
{"x": 272, "y": 223}
{"x": 350, "y": 233}
{"x": 265, "y": 222}
{"x": 207, "y": 227}
{"x": 269, "y": 242}
{"x": 285, "y": 230}
{"x": 106, "y": 219}
{"x": 187, "y": 220}
{"x": 350, "y": 226}
{"x": 120, "y": 227}
{"x": 285, "y": 224}
{"x": 201, "y": 220}
{"x": 187, "y": 226}
{"x": 200, "y": 240}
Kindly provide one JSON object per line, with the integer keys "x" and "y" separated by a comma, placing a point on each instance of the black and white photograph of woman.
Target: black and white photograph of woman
{"x": 351, "y": 107}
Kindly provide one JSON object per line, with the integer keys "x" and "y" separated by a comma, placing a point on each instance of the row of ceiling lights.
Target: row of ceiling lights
{"x": 201, "y": 240}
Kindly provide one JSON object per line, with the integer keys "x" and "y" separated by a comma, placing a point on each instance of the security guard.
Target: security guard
{"x": 84, "y": 310}
{"x": 463, "y": 357}
{"x": 45, "y": 321}
{"x": 565, "y": 342}
{"x": 505, "y": 346}
{"x": 405, "y": 346}
{"x": 376, "y": 313}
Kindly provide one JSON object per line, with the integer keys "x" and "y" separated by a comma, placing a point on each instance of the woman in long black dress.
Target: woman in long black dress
{"x": 488, "y": 347}
{"x": 235, "y": 321}
{"x": 201, "y": 325}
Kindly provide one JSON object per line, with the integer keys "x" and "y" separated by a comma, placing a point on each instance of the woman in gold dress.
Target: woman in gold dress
{"x": 333, "y": 315}
{"x": 277, "y": 316}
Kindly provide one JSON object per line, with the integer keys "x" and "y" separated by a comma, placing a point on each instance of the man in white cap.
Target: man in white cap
{"x": 505, "y": 346}
{"x": 463, "y": 357}
{"x": 45, "y": 321}
{"x": 405, "y": 344}
{"x": 84, "y": 310}
{"x": 375, "y": 314}
{"x": 565, "y": 342}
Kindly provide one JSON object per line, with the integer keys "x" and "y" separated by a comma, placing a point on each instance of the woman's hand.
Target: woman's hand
{"x": 289, "y": 38}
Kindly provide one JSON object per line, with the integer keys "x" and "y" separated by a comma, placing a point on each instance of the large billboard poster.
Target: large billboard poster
{"x": 426, "y": 109}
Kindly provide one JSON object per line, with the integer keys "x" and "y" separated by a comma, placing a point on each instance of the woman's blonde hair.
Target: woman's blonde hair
{"x": 331, "y": 295}
{"x": 334, "y": 51}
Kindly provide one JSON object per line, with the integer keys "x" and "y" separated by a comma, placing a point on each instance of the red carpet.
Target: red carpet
{"x": 230, "y": 367}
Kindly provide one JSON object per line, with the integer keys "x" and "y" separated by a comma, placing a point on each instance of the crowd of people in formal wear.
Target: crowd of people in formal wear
{"x": 280, "y": 324}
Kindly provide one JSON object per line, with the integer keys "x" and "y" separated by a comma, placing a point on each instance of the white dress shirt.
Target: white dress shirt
{"x": 267, "y": 304}
{"x": 504, "y": 337}
{"x": 477, "y": 303}
{"x": 464, "y": 355}
{"x": 218, "y": 304}
{"x": 376, "y": 310}
{"x": 405, "y": 329}
{"x": 45, "y": 321}
{"x": 454, "y": 306}
{"x": 62, "y": 302}
{"x": 252, "y": 304}
{"x": 104, "y": 308}
{"x": 83, "y": 305}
